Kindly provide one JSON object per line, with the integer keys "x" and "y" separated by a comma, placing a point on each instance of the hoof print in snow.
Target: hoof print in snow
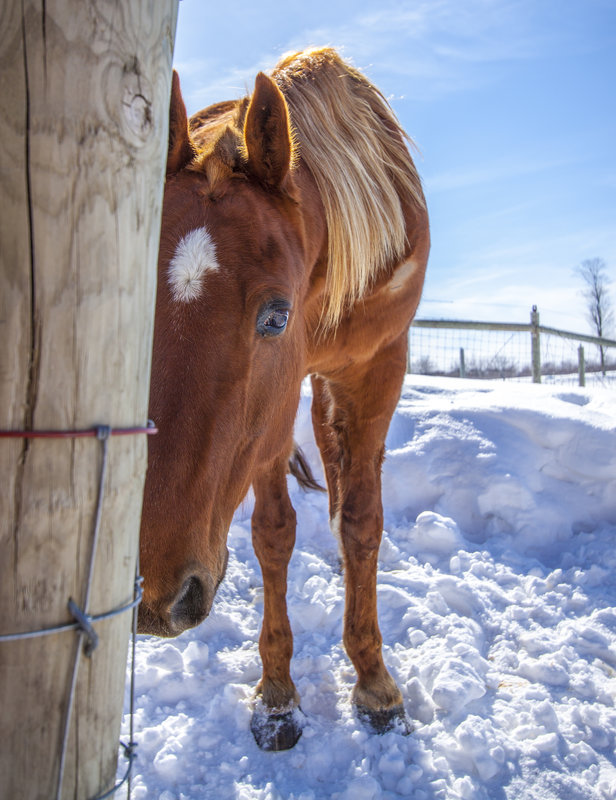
{"x": 277, "y": 731}
{"x": 384, "y": 720}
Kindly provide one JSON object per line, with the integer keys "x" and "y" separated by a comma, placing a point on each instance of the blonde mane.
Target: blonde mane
{"x": 354, "y": 147}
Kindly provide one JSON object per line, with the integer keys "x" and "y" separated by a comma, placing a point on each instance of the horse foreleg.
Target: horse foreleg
{"x": 376, "y": 697}
{"x": 277, "y": 719}
{"x": 361, "y": 405}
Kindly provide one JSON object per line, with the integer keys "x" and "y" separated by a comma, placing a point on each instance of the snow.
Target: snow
{"x": 497, "y": 605}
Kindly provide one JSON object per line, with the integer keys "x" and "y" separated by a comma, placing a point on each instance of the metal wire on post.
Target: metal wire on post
{"x": 132, "y": 744}
{"x": 130, "y": 748}
{"x": 85, "y": 630}
{"x": 87, "y": 639}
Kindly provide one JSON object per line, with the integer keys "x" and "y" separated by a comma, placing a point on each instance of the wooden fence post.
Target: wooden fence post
{"x": 535, "y": 344}
{"x": 462, "y": 364}
{"x": 84, "y": 96}
{"x": 581, "y": 366}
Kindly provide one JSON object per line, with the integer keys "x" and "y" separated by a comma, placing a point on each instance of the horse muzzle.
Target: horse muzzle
{"x": 187, "y": 609}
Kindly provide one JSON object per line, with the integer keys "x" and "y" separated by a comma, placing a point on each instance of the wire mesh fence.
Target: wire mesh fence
{"x": 511, "y": 351}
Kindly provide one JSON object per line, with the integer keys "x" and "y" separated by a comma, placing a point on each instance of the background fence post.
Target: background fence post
{"x": 535, "y": 344}
{"x": 84, "y": 104}
{"x": 581, "y": 366}
{"x": 462, "y": 364}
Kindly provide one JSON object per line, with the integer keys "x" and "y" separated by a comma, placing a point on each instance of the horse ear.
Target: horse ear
{"x": 267, "y": 133}
{"x": 181, "y": 150}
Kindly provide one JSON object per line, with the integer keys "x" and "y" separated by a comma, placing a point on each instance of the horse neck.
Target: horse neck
{"x": 315, "y": 237}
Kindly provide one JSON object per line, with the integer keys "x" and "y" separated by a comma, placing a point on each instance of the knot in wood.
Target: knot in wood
{"x": 137, "y": 113}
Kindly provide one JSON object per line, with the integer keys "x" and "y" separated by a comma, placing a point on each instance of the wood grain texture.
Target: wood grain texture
{"x": 84, "y": 93}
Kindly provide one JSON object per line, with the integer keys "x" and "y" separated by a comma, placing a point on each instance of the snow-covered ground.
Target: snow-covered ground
{"x": 497, "y": 600}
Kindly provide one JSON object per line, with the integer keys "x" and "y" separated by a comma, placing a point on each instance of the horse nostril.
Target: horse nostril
{"x": 192, "y": 604}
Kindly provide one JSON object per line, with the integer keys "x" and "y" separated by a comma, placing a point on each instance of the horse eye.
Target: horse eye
{"x": 277, "y": 319}
{"x": 272, "y": 319}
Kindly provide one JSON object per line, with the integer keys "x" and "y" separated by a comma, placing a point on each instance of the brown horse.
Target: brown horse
{"x": 294, "y": 242}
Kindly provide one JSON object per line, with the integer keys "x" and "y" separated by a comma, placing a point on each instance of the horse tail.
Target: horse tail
{"x": 300, "y": 469}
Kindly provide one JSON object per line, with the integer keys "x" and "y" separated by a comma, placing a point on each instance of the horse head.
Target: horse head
{"x": 229, "y": 341}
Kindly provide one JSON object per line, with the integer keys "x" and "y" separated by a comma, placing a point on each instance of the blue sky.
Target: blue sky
{"x": 512, "y": 104}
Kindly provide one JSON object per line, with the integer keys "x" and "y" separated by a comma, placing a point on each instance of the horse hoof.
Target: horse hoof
{"x": 277, "y": 731}
{"x": 385, "y": 720}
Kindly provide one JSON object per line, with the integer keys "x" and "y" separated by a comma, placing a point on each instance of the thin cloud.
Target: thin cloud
{"x": 491, "y": 173}
{"x": 503, "y": 297}
{"x": 438, "y": 45}
{"x": 435, "y": 47}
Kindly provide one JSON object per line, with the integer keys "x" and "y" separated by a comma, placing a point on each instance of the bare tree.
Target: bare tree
{"x": 599, "y": 306}
{"x": 424, "y": 366}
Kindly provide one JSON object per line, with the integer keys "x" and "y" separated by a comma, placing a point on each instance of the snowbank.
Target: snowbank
{"x": 497, "y": 605}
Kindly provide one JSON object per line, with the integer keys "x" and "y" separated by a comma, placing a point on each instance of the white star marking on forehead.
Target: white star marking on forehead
{"x": 194, "y": 256}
